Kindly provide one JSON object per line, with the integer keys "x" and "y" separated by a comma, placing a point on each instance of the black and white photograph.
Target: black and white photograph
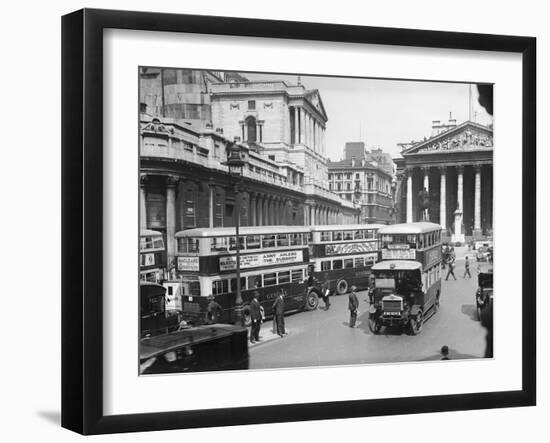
{"x": 293, "y": 221}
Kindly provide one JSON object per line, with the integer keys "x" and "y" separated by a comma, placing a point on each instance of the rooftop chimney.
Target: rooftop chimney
{"x": 353, "y": 162}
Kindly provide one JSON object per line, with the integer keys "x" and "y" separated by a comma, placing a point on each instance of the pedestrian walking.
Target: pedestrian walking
{"x": 256, "y": 317}
{"x": 279, "y": 312}
{"x": 445, "y": 352}
{"x": 325, "y": 293}
{"x": 451, "y": 271}
{"x": 353, "y": 305}
{"x": 467, "y": 268}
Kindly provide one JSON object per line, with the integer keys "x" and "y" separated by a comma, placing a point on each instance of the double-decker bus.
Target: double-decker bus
{"x": 273, "y": 259}
{"x": 152, "y": 256}
{"x": 407, "y": 279}
{"x": 342, "y": 255}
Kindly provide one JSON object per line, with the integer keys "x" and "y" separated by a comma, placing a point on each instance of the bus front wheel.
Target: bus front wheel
{"x": 342, "y": 287}
{"x": 312, "y": 301}
{"x": 375, "y": 325}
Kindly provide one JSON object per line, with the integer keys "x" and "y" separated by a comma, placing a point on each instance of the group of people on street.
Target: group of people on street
{"x": 257, "y": 316}
{"x": 451, "y": 269}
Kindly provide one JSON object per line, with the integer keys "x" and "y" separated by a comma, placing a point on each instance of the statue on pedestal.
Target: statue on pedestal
{"x": 424, "y": 201}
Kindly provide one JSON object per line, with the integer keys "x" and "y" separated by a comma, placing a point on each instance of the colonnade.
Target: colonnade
{"x": 306, "y": 130}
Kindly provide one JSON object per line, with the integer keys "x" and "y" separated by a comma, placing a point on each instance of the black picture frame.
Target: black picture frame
{"x": 82, "y": 215}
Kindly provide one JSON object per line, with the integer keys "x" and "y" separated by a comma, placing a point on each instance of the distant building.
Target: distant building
{"x": 455, "y": 166}
{"x": 364, "y": 182}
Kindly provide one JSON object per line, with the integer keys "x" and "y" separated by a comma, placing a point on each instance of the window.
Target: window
{"x": 268, "y": 241}
{"x": 282, "y": 240}
{"x": 270, "y": 279}
{"x": 251, "y": 129}
{"x": 232, "y": 244}
{"x": 295, "y": 239}
{"x": 348, "y": 176}
{"x": 188, "y": 244}
{"x": 251, "y": 105}
{"x": 297, "y": 275}
{"x": 271, "y": 157}
{"x": 325, "y": 265}
{"x": 337, "y": 235}
{"x": 337, "y": 264}
{"x": 359, "y": 262}
{"x": 326, "y": 236}
{"x": 284, "y": 277}
{"x": 348, "y": 187}
{"x": 219, "y": 287}
{"x": 219, "y": 244}
{"x": 348, "y": 235}
{"x": 253, "y": 242}
{"x": 359, "y": 235}
{"x": 254, "y": 281}
{"x": 348, "y": 263}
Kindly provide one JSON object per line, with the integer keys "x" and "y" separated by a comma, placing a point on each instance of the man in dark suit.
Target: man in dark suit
{"x": 353, "y": 305}
{"x": 256, "y": 317}
{"x": 279, "y": 313}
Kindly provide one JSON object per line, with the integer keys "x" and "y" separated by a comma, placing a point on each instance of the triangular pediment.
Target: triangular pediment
{"x": 314, "y": 99}
{"x": 468, "y": 136}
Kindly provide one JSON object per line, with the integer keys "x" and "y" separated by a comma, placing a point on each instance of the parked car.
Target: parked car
{"x": 484, "y": 294}
{"x": 195, "y": 349}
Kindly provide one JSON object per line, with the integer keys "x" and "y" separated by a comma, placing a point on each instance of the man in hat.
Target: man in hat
{"x": 279, "y": 312}
{"x": 445, "y": 352}
{"x": 353, "y": 305}
{"x": 256, "y": 317}
{"x": 213, "y": 311}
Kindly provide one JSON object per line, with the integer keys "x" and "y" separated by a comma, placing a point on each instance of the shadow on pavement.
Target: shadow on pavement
{"x": 470, "y": 310}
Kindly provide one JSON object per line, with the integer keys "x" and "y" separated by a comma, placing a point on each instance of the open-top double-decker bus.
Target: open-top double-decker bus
{"x": 342, "y": 255}
{"x": 273, "y": 259}
{"x": 407, "y": 279}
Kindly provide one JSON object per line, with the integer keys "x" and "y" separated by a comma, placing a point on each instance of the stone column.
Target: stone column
{"x": 312, "y": 215}
{"x": 458, "y": 235}
{"x": 265, "y": 212}
{"x": 259, "y": 211}
{"x": 171, "y": 183}
{"x": 252, "y": 220}
{"x": 477, "y": 203}
{"x": 211, "y": 192}
{"x": 302, "y": 126}
{"x": 409, "y": 196}
{"x": 426, "y": 178}
{"x": 143, "y": 202}
{"x": 296, "y": 126}
{"x": 443, "y": 199}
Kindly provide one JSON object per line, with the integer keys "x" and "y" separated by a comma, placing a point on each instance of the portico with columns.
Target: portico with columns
{"x": 455, "y": 166}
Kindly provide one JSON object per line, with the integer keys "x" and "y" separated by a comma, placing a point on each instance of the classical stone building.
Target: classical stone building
{"x": 285, "y": 124}
{"x": 364, "y": 182}
{"x": 455, "y": 166}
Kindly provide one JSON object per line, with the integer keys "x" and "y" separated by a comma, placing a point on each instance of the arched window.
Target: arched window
{"x": 251, "y": 129}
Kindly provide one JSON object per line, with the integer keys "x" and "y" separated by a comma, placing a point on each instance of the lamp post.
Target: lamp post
{"x": 236, "y": 159}
{"x": 357, "y": 194}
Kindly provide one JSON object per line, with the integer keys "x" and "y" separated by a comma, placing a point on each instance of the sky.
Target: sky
{"x": 383, "y": 113}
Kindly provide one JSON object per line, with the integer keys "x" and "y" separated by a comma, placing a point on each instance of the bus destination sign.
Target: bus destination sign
{"x": 257, "y": 260}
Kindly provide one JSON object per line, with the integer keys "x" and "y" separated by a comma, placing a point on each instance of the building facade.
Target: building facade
{"x": 455, "y": 168}
{"x": 184, "y": 179}
{"x": 364, "y": 182}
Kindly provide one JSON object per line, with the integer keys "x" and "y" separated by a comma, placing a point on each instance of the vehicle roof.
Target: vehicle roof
{"x": 410, "y": 228}
{"x": 346, "y": 227}
{"x": 243, "y": 230}
{"x": 160, "y": 344}
{"x": 143, "y": 232}
{"x": 399, "y": 265}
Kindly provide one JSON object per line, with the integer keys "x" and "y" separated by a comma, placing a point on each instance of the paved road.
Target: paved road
{"x": 324, "y": 338}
